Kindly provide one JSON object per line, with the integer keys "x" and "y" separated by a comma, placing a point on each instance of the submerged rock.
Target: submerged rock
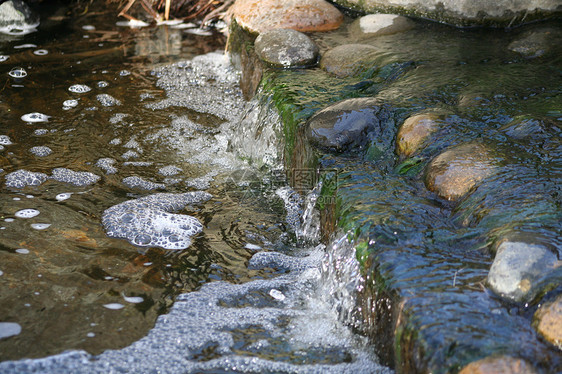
{"x": 523, "y": 127}
{"x": 548, "y": 322}
{"x": 148, "y": 221}
{"x": 286, "y": 48}
{"x": 415, "y": 130}
{"x": 499, "y": 365}
{"x": 22, "y": 178}
{"x": 349, "y": 59}
{"x": 380, "y": 24}
{"x": 456, "y": 171}
{"x": 535, "y": 43}
{"x": 350, "y": 124}
{"x": 519, "y": 268}
{"x": 258, "y": 16}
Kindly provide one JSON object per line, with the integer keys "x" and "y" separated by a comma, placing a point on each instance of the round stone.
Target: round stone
{"x": 499, "y": 365}
{"x": 350, "y": 124}
{"x": 414, "y": 132}
{"x": 350, "y": 60}
{"x": 456, "y": 171}
{"x": 258, "y": 16}
{"x": 380, "y": 24}
{"x": 286, "y": 48}
{"x": 548, "y": 321}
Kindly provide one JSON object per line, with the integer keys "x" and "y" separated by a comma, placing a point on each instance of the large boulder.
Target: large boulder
{"x": 257, "y": 16}
{"x": 500, "y": 13}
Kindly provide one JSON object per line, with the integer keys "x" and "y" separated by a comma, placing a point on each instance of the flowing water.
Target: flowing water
{"x": 96, "y": 126}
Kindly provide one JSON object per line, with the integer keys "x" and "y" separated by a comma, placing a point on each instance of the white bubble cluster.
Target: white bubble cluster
{"x": 5, "y": 140}
{"x": 63, "y": 196}
{"x": 114, "y": 306}
{"x": 148, "y": 222}
{"x": 4, "y": 58}
{"x": 41, "y": 151}
{"x": 77, "y": 178}
{"x": 69, "y": 104}
{"x": 22, "y": 251}
{"x": 40, "y": 226}
{"x": 107, "y": 100}
{"x": 22, "y": 178}
{"x": 27, "y": 213}
{"x": 35, "y": 117}
{"x": 41, "y": 52}
{"x": 138, "y": 182}
{"x": 79, "y": 88}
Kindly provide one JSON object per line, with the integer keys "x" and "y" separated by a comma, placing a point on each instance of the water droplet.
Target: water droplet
{"x": 40, "y": 226}
{"x": 63, "y": 196}
{"x": 88, "y": 27}
{"x": 41, "y": 52}
{"x": 22, "y": 251}
{"x": 17, "y": 73}
{"x": 67, "y": 104}
{"x": 114, "y": 306}
{"x": 35, "y": 117}
{"x": 8, "y": 329}
{"x": 27, "y": 213}
{"x": 90, "y": 335}
{"x": 79, "y": 88}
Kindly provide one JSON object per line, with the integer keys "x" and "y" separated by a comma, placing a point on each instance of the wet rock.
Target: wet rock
{"x": 380, "y": 24}
{"x": 520, "y": 267}
{"x": 462, "y": 12}
{"x": 535, "y": 43}
{"x": 258, "y": 16}
{"x": 548, "y": 322}
{"x": 522, "y": 127}
{"x": 456, "y": 171}
{"x": 350, "y": 124}
{"x": 349, "y": 59}
{"x": 499, "y": 365}
{"x": 149, "y": 221}
{"x": 17, "y": 18}
{"x": 286, "y": 48}
{"x": 22, "y": 178}
{"x": 414, "y": 132}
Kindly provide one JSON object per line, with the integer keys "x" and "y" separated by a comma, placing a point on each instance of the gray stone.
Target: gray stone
{"x": 519, "y": 267}
{"x": 16, "y": 15}
{"x": 500, "y": 13}
{"x": 286, "y": 48}
{"x": 380, "y": 24}
{"x": 350, "y": 124}
{"x": 536, "y": 43}
{"x": 350, "y": 60}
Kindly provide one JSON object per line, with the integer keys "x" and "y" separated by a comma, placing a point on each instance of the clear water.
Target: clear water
{"x": 101, "y": 118}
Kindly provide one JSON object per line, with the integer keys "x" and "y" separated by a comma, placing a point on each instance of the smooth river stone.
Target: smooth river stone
{"x": 499, "y": 365}
{"x": 380, "y": 24}
{"x": 286, "y": 48}
{"x": 548, "y": 321}
{"x": 456, "y": 171}
{"x": 258, "y": 16}
{"x": 349, "y": 59}
{"x": 414, "y": 132}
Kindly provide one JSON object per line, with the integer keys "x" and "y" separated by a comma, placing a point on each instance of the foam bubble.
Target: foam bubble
{"x": 115, "y": 141}
{"x": 107, "y": 100}
{"x": 90, "y": 335}
{"x": 41, "y": 52}
{"x": 22, "y": 251}
{"x": 5, "y": 140}
{"x": 27, "y": 213}
{"x": 63, "y": 196}
{"x": 4, "y": 58}
{"x": 88, "y": 27}
{"x": 8, "y": 329}
{"x": 41, "y": 151}
{"x": 9, "y": 220}
{"x": 22, "y": 178}
{"x": 138, "y": 182}
{"x": 40, "y": 226}
{"x": 40, "y": 132}
{"x": 17, "y": 72}
{"x": 22, "y": 46}
{"x": 77, "y": 178}
{"x": 129, "y": 154}
{"x": 1, "y": 273}
{"x": 133, "y": 299}
{"x": 107, "y": 165}
{"x": 68, "y": 104}
{"x": 35, "y": 117}
{"x": 148, "y": 222}
{"x": 102, "y": 84}
{"x": 114, "y": 306}
{"x": 79, "y": 88}
{"x": 124, "y": 73}
{"x": 170, "y": 170}
{"x": 276, "y": 294}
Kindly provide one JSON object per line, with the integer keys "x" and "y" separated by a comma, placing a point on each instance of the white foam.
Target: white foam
{"x": 22, "y": 46}
{"x": 35, "y": 117}
{"x": 79, "y": 88}
{"x": 27, "y": 213}
{"x": 114, "y": 306}
{"x": 22, "y": 251}
{"x": 8, "y": 329}
{"x": 41, "y": 52}
{"x": 17, "y": 72}
{"x": 133, "y": 299}
{"x": 63, "y": 196}
{"x": 40, "y": 226}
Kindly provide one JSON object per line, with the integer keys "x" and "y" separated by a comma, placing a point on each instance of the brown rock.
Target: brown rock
{"x": 380, "y": 24}
{"x": 548, "y": 322}
{"x": 499, "y": 365}
{"x": 258, "y": 16}
{"x": 456, "y": 171}
{"x": 414, "y": 131}
{"x": 349, "y": 59}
